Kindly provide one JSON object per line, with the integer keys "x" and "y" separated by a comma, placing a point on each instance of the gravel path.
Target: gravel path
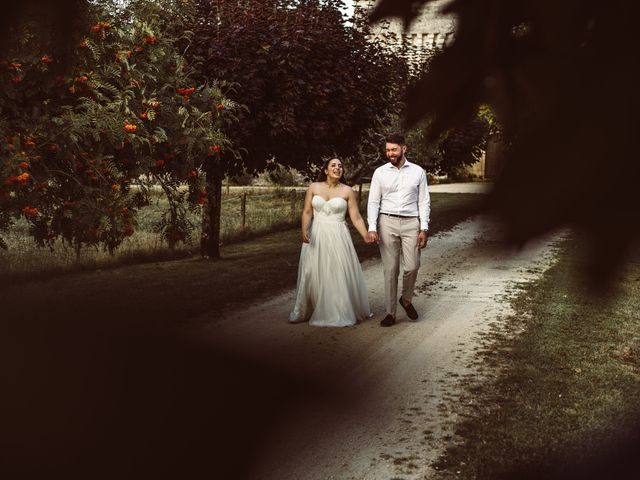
{"x": 379, "y": 405}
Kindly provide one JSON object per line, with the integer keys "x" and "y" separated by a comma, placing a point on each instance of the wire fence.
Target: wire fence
{"x": 246, "y": 212}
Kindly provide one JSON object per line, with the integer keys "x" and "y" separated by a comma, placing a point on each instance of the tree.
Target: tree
{"x": 312, "y": 85}
{"x": 81, "y": 149}
{"x": 455, "y": 149}
{"x": 561, "y": 78}
{"x": 452, "y": 150}
{"x": 57, "y": 27}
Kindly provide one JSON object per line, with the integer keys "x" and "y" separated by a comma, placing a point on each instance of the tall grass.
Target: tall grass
{"x": 266, "y": 211}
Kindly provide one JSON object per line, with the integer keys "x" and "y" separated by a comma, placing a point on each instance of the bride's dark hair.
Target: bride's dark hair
{"x": 322, "y": 176}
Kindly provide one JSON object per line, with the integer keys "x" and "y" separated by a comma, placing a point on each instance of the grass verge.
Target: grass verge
{"x": 566, "y": 400}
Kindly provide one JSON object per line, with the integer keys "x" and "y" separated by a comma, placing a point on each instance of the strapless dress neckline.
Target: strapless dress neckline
{"x": 332, "y": 198}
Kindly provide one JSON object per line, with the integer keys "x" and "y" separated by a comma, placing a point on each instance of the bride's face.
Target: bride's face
{"x": 334, "y": 169}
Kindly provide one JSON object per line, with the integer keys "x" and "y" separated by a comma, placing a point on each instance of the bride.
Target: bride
{"x": 330, "y": 290}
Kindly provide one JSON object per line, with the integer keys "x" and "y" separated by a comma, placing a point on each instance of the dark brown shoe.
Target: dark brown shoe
{"x": 387, "y": 321}
{"x": 411, "y": 312}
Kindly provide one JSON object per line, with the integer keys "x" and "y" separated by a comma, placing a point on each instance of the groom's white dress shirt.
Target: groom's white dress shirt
{"x": 402, "y": 192}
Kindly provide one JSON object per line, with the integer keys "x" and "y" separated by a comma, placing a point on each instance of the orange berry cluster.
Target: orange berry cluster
{"x": 30, "y": 211}
{"x": 98, "y": 27}
{"x": 185, "y": 92}
{"x": 130, "y": 128}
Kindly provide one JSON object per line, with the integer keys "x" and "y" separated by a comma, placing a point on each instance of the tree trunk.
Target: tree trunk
{"x": 243, "y": 210}
{"x": 173, "y": 214}
{"x": 210, "y": 240}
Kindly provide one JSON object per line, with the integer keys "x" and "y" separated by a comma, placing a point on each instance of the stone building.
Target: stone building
{"x": 431, "y": 30}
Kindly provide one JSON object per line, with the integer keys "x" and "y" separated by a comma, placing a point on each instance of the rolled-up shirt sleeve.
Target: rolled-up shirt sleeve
{"x": 373, "y": 205}
{"x": 424, "y": 202}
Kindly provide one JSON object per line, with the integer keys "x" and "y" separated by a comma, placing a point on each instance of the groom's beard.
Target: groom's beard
{"x": 395, "y": 160}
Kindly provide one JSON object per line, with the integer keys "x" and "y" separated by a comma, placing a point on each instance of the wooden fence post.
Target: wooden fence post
{"x": 293, "y": 202}
{"x": 243, "y": 210}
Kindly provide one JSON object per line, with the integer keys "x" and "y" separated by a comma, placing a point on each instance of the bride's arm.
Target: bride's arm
{"x": 307, "y": 214}
{"x": 354, "y": 214}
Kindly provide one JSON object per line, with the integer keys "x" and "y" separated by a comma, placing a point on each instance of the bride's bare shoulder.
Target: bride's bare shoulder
{"x": 348, "y": 190}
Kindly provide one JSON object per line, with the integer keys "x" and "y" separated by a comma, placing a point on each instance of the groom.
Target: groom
{"x": 398, "y": 216}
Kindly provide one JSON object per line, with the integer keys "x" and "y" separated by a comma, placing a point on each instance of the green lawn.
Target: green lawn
{"x": 569, "y": 384}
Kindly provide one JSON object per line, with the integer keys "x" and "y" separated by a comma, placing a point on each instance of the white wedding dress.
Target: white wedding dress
{"x": 330, "y": 291}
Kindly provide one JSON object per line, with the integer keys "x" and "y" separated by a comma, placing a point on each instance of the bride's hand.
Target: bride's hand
{"x": 305, "y": 237}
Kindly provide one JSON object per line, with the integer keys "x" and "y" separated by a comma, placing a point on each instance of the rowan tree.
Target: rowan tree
{"x": 80, "y": 150}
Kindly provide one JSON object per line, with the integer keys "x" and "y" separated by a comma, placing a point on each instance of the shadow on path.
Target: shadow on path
{"x": 87, "y": 399}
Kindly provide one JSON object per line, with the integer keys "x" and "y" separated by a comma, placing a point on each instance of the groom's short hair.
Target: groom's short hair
{"x": 396, "y": 138}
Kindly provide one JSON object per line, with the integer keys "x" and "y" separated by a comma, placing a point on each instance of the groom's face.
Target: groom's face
{"x": 395, "y": 152}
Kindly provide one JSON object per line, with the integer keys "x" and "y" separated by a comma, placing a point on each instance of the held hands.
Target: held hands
{"x": 372, "y": 237}
{"x": 423, "y": 236}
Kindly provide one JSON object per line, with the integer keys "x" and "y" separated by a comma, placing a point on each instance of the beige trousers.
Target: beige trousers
{"x": 398, "y": 242}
